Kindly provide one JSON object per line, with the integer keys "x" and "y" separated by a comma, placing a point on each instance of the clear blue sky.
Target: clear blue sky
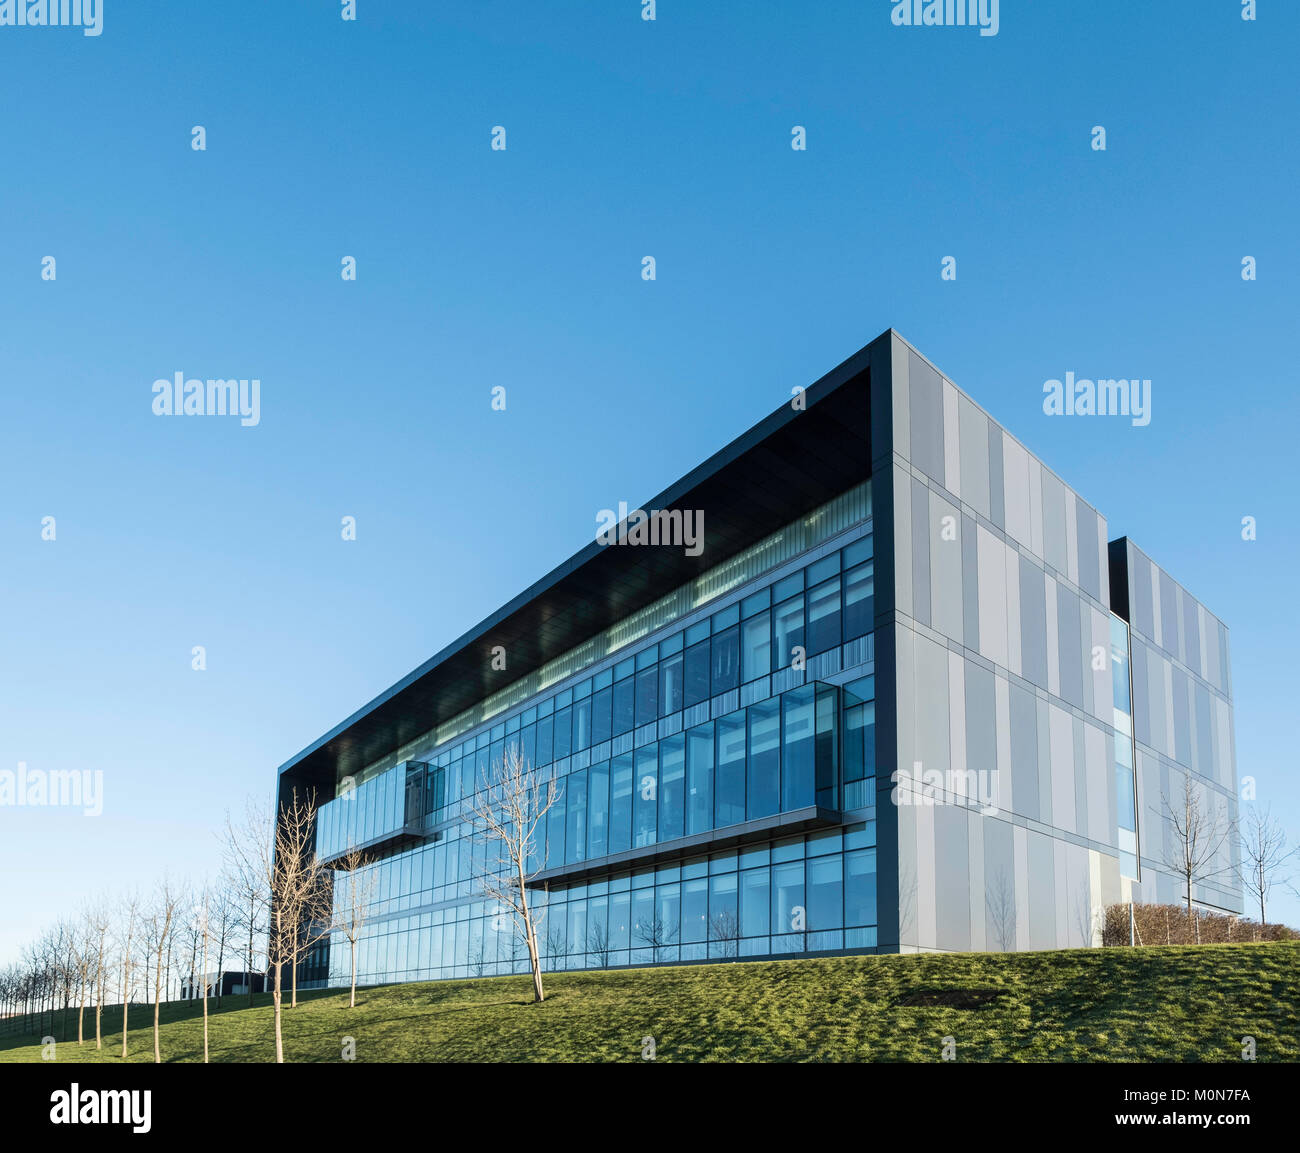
{"x": 480, "y": 268}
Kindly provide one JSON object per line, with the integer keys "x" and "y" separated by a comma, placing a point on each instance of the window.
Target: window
{"x": 582, "y": 724}
{"x": 762, "y": 792}
{"x": 825, "y": 894}
{"x": 730, "y": 776}
{"x": 563, "y": 733}
{"x": 697, "y": 674}
{"x": 620, "y": 808}
{"x": 787, "y": 629}
{"x": 647, "y": 696}
{"x": 699, "y": 779}
{"x": 824, "y": 616}
{"x": 672, "y": 777}
{"x": 601, "y": 716}
{"x": 576, "y": 839}
{"x": 755, "y": 903}
{"x": 756, "y": 647}
{"x": 695, "y": 910}
{"x": 624, "y": 705}
{"x": 670, "y": 685}
{"x": 798, "y": 760}
{"x": 598, "y": 811}
{"x": 859, "y": 600}
{"x": 645, "y": 796}
{"x": 860, "y": 887}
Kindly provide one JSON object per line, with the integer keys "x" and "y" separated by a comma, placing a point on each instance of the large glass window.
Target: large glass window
{"x": 789, "y": 913}
{"x": 598, "y": 811}
{"x": 697, "y": 674}
{"x": 645, "y": 798}
{"x": 670, "y": 685}
{"x": 756, "y": 647}
{"x": 798, "y": 760}
{"x": 724, "y": 915}
{"x": 762, "y": 792}
{"x": 787, "y": 631}
{"x": 730, "y": 775}
{"x": 620, "y": 815}
{"x": 601, "y": 717}
{"x": 755, "y": 903}
{"x": 859, "y": 600}
{"x": 824, "y": 616}
{"x": 672, "y": 778}
{"x": 576, "y": 837}
{"x": 624, "y": 705}
{"x": 582, "y": 724}
{"x": 860, "y": 887}
{"x": 699, "y": 779}
{"x": 555, "y": 829}
{"x": 825, "y": 893}
{"x": 563, "y": 733}
{"x": 647, "y": 696}
{"x": 695, "y": 910}
{"x": 726, "y": 660}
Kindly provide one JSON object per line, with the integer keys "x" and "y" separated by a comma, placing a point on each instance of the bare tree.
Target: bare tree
{"x": 1085, "y": 916}
{"x": 292, "y": 874}
{"x": 512, "y": 801}
{"x": 724, "y": 928}
{"x": 130, "y": 915}
{"x": 354, "y": 887}
{"x": 655, "y": 934}
{"x": 247, "y": 845}
{"x": 1000, "y": 902}
{"x": 598, "y": 941}
{"x": 1198, "y": 836}
{"x": 158, "y": 928}
{"x": 1263, "y": 854}
{"x": 99, "y": 923}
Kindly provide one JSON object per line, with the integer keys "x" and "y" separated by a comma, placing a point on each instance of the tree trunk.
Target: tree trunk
{"x": 352, "y": 1001}
{"x": 124, "y": 1004}
{"x": 279, "y": 1036}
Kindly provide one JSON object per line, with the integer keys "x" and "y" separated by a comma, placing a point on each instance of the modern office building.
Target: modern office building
{"x": 905, "y": 697}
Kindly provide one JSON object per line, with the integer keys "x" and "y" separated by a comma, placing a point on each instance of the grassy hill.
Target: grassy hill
{"x": 1158, "y": 1004}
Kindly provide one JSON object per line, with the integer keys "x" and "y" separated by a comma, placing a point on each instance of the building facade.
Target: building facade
{"x": 903, "y": 695}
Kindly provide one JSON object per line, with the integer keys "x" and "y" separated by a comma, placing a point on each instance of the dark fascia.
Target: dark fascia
{"x": 785, "y": 466}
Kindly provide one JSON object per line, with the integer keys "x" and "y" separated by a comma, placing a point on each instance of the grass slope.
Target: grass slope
{"x": 1157, "y": 1004}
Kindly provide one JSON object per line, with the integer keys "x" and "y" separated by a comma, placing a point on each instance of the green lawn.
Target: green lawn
{"x": 1158, "y": 1004}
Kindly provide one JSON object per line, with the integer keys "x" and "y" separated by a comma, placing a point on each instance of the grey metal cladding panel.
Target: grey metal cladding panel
{"x": 1042, "y": 892}
{"x": 946, "y": 592}
{"x": 1168, "y": 613}
{"x": 1024, "y": 752}
{"x": 970, "y": 595}
{"x": 1182, "y": 719}
{"x": 1205, "y": 755}
{"x": 981, "y": 719}
{"x": 1143, "y": 609}
{"x": 1089, "y": 556}
{"x": 1191, "y": 634}
{"x": 926, "y": 387}
{"x": 920, "y": 552}
{"x": 999, "y": 885}
{"x": 997, "y": 500}
{"x": 952, "y": 877}
{"x": 1141, "y": 704}
{"x": 974, "y": 440}
{"x": 1067, "y": 612}
{"x": 1054, "y": 524}
{"x": 1033, "y": 623}
{"x": 1225, "y": 680}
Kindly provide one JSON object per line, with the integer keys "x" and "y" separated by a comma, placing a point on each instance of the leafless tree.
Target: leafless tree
{"x": 99, "y": 924}
{"x": 655, "y": 934}
{"x": 292, "y": 874}
{"x": 354, "y": 888}
{"x": 158, "y": 928}
{"x": 247, "y": 846}
{"x": 129, "y": 918}
{"x": 598, "y": 941}
{"x": 724, "y": 929}
{"x": 1085, "y": 916}
{"x": 1001, "y": 904}
{"x": 1263, "y": 855}
{"x": 512, "y": 802}
{"x": 1197, "y": 837}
